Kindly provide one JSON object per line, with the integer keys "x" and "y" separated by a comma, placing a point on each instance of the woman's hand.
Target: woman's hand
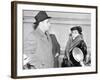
{"x": 82, "y": 63}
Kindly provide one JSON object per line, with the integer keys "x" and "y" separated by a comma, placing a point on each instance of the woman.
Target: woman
{"x": 76, "y": 42}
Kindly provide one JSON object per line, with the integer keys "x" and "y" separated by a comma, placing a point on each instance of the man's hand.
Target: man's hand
{"x": 26, "y": 59}
{"x": 57, "y": 54}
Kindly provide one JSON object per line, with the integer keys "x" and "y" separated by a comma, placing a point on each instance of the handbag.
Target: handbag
{"x": 66, "y": 62}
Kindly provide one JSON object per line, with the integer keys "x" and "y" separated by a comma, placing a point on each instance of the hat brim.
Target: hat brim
{"x": 40, "y": 21}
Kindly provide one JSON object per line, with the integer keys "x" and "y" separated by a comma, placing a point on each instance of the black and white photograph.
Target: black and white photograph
{"x": 54, "y": 39}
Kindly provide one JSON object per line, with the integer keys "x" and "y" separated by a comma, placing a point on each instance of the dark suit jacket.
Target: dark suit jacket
{"x": 55, "y": 44}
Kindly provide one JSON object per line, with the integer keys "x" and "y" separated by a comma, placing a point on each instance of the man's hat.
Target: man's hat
{"x": 41, "y": 16}
{"x": 77, "y": 28}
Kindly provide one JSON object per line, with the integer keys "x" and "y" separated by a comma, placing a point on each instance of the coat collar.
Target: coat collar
{"x": 72, "y": 43}
{"x": 40, "y": 33}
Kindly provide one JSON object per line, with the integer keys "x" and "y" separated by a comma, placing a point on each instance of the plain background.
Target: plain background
{"x": 5, "y": 40}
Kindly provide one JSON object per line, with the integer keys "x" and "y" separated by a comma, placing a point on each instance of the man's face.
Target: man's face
{"x": 74, "y": 33}
{"x": 46, "y": 24}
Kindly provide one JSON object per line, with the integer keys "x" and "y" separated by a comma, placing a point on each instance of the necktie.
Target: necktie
{"x": 46, "y": 33}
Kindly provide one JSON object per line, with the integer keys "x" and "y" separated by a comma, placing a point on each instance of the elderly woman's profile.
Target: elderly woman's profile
{"x": 76, "y": 48}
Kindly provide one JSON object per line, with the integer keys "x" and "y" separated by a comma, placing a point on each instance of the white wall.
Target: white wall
{"x": 5, "y": 40}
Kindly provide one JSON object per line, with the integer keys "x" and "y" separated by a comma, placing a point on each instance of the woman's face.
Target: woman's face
{"x": 74, "y": 33}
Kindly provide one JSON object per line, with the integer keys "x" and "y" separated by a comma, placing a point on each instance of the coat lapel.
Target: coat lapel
{"x": 44, "y": 38}
{"x": 73, "y": 43}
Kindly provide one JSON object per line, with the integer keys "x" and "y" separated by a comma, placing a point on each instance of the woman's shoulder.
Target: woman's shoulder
{"x": 82, "y": 43}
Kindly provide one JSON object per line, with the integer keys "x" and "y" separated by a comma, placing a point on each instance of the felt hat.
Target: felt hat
{"x": 42, "y": 15}
{"x": 78, "y": 28}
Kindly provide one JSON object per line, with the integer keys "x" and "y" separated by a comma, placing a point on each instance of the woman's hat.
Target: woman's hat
{"x": 77, "y": 28}
{"x": 42, "y": 15}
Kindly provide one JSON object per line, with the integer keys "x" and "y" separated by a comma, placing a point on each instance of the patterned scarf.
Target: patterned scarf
{"x": 73, "y": 43}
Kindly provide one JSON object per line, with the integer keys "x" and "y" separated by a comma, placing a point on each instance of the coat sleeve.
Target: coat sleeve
{"x": 30, "y": 45}
{"x": 68, "y": 47}
{"x": 83, "y": 48}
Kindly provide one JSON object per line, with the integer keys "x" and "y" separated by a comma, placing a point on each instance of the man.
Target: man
{"x": 76, "y": 48}
{"x": 38, "y": 45}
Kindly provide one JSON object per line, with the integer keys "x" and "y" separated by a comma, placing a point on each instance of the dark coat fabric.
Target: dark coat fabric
{"x": 83, "y": 48}
{"x": 55, "y": 44}
{"x": 55, "y": 49}
{"x": 79, "y": 43}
